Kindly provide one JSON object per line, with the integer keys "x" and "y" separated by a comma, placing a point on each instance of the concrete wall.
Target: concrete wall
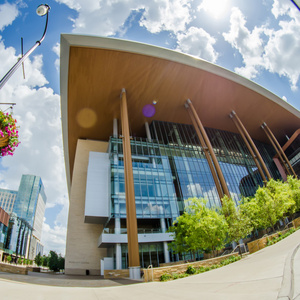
{"x": 110, "y": 274}
{"x": 82, "y": 252}
{"x": 98, "y": 188}
{"x": 13, "y": 269}
{"x": 262, "y": 242}
{"x": 296, "y": 223}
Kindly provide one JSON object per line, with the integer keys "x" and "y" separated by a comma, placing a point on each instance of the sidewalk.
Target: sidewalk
{"x": 264, "y": 275}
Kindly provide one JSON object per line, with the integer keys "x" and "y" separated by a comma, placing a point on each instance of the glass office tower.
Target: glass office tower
{"x": 31, "y": 190}
{"x": 29, "y": 207}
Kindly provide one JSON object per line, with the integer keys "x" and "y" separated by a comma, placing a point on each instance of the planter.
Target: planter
{"x": 9, "y": 135}
{"x": 4, "y": 141}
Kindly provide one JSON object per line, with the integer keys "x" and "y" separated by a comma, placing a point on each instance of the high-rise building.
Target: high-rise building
{"x": 7, "y": 199}
{"x": 26, "y": 216}
{"x": 146, "y": 128}
{"x": 4, "y": 220}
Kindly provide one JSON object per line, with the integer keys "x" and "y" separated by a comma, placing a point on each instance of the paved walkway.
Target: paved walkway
{"x": 268, "y": 274}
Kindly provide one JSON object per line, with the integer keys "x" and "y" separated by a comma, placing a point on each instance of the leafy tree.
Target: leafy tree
{"x": 273, "y": 201}
{"x": 9, "y": 258}
{"x": 61, "y": 262}
{"x": 294, "y": 187}
{"x": 239, "y": 224}
{"x": 38, "y": 260}
{"x": 199, "y": 228}
{"x": 249, "y": 207}
{"x": 45, "y": 261}
{"x": 53, "y": 261}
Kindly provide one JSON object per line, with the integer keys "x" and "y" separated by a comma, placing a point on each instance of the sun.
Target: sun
{"x": 214, "y": 7}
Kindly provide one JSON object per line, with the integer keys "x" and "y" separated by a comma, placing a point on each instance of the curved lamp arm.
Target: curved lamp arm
{"x": 41, "y": 11}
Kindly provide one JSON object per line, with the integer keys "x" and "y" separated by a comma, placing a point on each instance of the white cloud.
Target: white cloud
{"x": 56, "y": 50}
{"x": 40, "y": 152}
{"x": 264, "y": 48}
{"x": 8, "y": 13}
{"x": 197, "y": 42}
{"x": 282, "y": 51}
{"x": 249, "y": 44}
{"x": 167, "y": 15}
{"x": 108, "y": 17}
{"x": 216, "y": 8}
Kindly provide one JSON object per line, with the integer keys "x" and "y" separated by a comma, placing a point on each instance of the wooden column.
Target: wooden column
{"x": 257, "y": 154}
{"x": 207, "y": 156}
{"x": 210, "y": 149}
{"x": 249, "y": 148}
{"x": 278, "y": 149}
{"x": 132, "y": 234}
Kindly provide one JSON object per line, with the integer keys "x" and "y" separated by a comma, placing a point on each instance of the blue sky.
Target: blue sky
{"x": 257, "y": 39}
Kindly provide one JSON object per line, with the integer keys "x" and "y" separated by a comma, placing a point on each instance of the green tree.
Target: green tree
{"x": 53, "y": 261}
{"x": 61, "y": 262}
{"x": 199, "y": 228}
{"x": 239, "y": 224}
{"x": 38, "y": 260}
{"x": 273, "y": 201}
{"x": 44, "y": 261}
{"x": 294, "y": 187}
{"x": 9, "y": 258}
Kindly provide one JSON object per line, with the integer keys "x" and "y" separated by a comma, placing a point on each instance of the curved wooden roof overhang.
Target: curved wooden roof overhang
{"x": 94, "y": 70}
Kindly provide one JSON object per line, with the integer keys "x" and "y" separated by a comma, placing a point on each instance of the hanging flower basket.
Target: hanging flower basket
{"x": 9, "y": 135}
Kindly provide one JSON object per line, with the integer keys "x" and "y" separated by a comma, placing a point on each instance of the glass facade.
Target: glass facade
{"x": 190, "y": 170}
{"x": 28, "y": 194}
{"x": 7, "y": 199}
{"x": 18, "y": 234}
{"x": 150, "y": 254}
{"x": 155, "y": 195}
{"x": 293, "y": 154}
{"x": 170, "y": 168}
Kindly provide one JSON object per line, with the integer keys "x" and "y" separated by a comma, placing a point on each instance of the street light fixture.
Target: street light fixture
{"x": 42, "y": 10}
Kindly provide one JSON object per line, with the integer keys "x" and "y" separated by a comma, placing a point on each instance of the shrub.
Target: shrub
{"x": 190, "y": 270}
{"x": 165, "y": 277}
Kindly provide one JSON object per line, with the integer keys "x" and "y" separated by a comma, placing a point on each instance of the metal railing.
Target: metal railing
{"x": 124, "y": 230}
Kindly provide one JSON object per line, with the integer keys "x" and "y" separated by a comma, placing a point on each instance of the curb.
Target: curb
{"x": 287, "y": 287}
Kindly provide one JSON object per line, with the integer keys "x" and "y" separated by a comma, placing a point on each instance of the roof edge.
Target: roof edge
{"x": 90, "y": 41}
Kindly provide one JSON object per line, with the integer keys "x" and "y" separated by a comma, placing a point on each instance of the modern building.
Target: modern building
{"x": 146, "y": 128}
{"x": 26, "y": 216}
{"x": 4, "y": 220}
{"x": 7, "y": 199}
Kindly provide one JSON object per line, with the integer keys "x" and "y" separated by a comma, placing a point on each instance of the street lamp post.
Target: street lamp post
{"x": 42, "y": 10}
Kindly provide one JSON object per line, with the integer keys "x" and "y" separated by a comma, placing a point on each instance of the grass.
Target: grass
{"x": 191, "y": 270}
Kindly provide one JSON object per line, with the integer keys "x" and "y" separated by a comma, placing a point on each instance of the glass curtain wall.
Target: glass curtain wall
{"x": 190, "y": 170}
{"x": 293, "y": 154}
{"x": 155, "y": 195}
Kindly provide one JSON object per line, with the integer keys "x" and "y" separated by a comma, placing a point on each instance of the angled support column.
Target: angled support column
{"x": 249, "y": 148}
{"x": 132, "y": 235}
{"x": 247, "y": 135}
{"x": 206, "y": 153}
{"x": 278, "y": 149}
{"x": 215, "y": 169}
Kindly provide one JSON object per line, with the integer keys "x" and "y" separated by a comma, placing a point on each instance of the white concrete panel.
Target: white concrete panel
{"x": 97, "y": 197}
{"x": 107, "y": 238}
